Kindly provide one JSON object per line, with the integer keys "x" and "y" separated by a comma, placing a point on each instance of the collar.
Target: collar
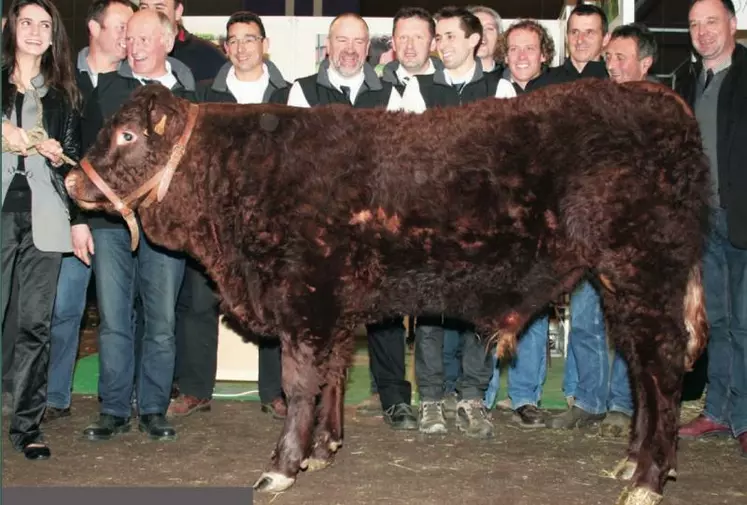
{"x": 468, "y": 77}
{"x": 724, "y": 65}
{"x": 39, "y": 85}
{"x": 182, "y": 35}
{"x": 264, "y": 78}
{"x": 370, "y": 78}
{"x": 276, "y": 78}
{"x": 401, "y": 73}
{"x": 159, "y": 79}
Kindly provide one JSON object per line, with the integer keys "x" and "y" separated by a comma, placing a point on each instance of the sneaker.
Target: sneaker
{"x": 574, "y": 417}
{"x": 472, "y": 419}
{"x": 401, "y": 417}
{"x": 432, "y": 419}
{"x": 449, "y": 404}
{"x": 615, "y": 425}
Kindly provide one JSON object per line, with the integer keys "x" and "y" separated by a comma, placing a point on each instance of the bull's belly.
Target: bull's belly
{"x": 478, "y": 293}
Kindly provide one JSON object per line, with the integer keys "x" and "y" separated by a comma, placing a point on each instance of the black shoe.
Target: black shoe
{"x": 401, "y": 417}
{"x": 36, "y": 451}
{"x": 52, "y": 413}
{"x": 157, "y": 427}
{"x": 106, "y": 427}
{"x": 529, "y": 416}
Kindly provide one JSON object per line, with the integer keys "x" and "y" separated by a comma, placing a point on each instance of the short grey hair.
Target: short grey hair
{"x": 484, "y": 9}
{"x": 169, "y": 30}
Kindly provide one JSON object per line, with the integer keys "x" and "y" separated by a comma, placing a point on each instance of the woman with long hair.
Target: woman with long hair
{"x": 38, "y": 79}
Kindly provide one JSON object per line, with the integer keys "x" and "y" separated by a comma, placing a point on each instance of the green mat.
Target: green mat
{"x": 85, "y": 382}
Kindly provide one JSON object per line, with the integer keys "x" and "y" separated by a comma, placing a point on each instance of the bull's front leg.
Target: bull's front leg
{"x": 301, "y": 380}
{"x": 328, "y": 434}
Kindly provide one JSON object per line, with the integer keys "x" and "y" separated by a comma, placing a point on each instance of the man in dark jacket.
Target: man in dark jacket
{"x": 153, "y": 272}
{"x": 246, "y": 78}
{"x": 587, "y": 34}
{"x": 107, "y": 22}
{"x": 716, "y": 88}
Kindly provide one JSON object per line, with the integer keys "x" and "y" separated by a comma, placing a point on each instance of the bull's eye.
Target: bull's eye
{"x": 125, "y": 137}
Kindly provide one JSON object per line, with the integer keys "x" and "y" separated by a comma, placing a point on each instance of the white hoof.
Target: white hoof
{"x": 334, "y": 445}
{"x": 639, "y": 496}
{"x": 314, "y": 464}
{"x": 273, "y": 482}
{"x": 624, "y": 469}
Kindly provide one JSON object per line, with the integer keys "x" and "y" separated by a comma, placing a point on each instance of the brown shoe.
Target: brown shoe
{"x": 184, "y": 405}
{"x": 276, "y": 407}
{"x": 701, "y": 427}
{"x": 52, "y": 413}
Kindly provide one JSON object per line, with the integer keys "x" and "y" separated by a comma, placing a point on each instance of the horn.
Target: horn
{"x": 161, "y": 126}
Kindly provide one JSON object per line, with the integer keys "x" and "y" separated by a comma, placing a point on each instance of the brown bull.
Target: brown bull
{"x": 313, "y": 222}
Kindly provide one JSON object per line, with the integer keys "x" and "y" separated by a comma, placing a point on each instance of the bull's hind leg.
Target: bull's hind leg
{"x": 653, "y": 342}
{"x": 301, "y": 380}
{"x": 328, "y": 434}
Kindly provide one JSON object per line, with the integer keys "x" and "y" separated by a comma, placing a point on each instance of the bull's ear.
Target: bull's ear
{"x": 157, "y": 115}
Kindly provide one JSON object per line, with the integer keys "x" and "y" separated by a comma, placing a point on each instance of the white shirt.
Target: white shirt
{"x": 248, "y": 91}
{"x": 167, "y": 79}
{"x": 412, "y": 98}
{"x": 94, "y": 76}
{"x": 404, "y": 76}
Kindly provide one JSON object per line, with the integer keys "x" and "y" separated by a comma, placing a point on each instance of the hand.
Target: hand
{"x": 82, "y": 243}
{"x": 16, "y": 137}
{"x": 52, "y": 150}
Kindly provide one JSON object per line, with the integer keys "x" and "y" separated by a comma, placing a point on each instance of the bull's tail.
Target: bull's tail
{"x": 696, "y": 321}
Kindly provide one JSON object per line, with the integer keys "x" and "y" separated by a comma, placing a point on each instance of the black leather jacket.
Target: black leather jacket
{"x": 62, "y": 123}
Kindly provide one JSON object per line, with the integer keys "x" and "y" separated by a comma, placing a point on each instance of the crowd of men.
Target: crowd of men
{"x": 158, "y": 335}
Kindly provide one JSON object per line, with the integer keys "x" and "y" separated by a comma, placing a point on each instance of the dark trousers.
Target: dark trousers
{"x": 37, "y": 273}
{"x": 10, "y": 334}
{"x": 477, "y": 366}
{"x": 270, "y": 370}
{"x": 197, "y": 317}
{"x": 386, "y": 350}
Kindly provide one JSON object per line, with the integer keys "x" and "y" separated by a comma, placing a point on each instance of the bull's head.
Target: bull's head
{"x": 135, "y": 154}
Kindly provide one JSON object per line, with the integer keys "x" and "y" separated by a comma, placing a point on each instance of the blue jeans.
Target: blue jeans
{"x": 620, "y": 397}
{"x": 725, "y": 282}
{"x": 452, "y": 359}
{"x": 588, "y": 378}
{"x": 527, "y": 371}
{"x": 69, "y": 306}
{"x": 157, "y": 276}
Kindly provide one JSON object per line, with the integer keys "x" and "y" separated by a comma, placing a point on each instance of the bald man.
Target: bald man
{"x": 152, "y": 272}
{"x": 344, "y": 76}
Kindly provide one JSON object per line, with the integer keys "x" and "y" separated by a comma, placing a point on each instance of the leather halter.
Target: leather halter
{"x": 154, "y": 189}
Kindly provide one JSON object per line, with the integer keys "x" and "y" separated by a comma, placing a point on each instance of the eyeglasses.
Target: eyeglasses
{"x": 249, "y": 39}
